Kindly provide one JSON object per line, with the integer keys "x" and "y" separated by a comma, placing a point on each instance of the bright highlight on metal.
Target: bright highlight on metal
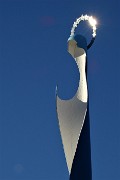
{"x": 91, "y": 21}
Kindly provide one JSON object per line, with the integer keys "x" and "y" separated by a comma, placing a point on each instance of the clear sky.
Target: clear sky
{"x": 33, "y": 59}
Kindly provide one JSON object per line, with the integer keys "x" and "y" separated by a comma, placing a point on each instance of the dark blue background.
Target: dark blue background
{"x": 33, "y": 59}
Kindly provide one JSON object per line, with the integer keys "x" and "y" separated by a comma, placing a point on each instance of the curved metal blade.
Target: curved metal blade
{"x": 71, "y": 113}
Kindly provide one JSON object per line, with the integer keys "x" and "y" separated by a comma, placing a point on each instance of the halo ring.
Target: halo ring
{"x": 92, "y": 22}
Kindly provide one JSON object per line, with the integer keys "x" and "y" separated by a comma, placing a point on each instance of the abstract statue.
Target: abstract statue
{"x": 73, "y": 114}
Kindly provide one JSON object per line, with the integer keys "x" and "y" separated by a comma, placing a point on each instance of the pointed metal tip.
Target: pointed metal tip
{"x": 56, "y": 87}
{"x": 56, "y": 91}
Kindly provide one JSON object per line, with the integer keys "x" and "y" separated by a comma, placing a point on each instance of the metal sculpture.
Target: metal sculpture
{"x": 73, "y": 114}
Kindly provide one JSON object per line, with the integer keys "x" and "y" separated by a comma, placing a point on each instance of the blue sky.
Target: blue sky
{"x": 33, "y": 59}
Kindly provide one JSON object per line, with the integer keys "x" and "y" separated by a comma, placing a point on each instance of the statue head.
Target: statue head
{"x": 77, "y": 45}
